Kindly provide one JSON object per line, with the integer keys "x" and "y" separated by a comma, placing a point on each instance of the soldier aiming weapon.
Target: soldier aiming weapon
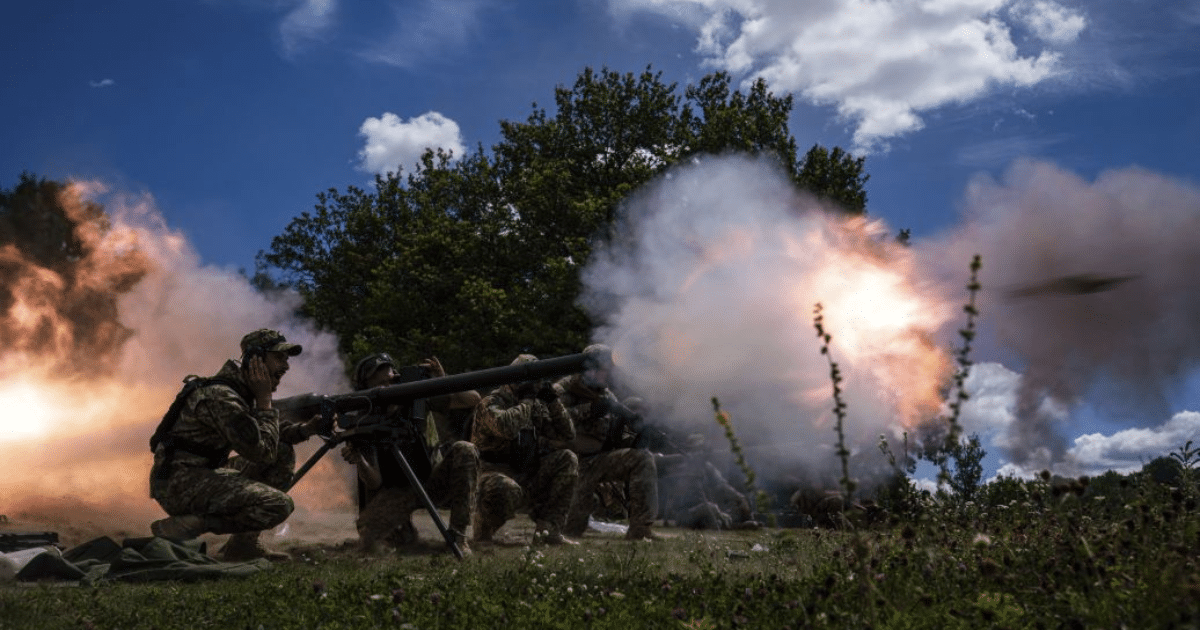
{"x": 409, "y": 397}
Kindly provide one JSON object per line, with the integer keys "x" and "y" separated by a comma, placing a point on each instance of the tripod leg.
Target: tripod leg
{"x": 312, "y": 461}
{"x": 425, "y": 500}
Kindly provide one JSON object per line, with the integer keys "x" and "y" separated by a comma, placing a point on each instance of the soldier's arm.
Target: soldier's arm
{"x": 253, "y": 432}
{"x": 558, "y": 425}
{"x": 507, "y": 421}
{"x": 292, "y": 432}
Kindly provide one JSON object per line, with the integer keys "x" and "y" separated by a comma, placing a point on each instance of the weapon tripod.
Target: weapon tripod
{"x": 378, "y": 433}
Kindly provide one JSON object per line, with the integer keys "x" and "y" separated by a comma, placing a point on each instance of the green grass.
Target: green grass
{"x": 1120, "y": 552}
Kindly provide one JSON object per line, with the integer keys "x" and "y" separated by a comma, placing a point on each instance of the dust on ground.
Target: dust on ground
{"x": 305, "y": 531}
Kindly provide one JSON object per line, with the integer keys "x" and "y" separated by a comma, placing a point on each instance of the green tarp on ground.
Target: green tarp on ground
{"x": 135, "y": 560}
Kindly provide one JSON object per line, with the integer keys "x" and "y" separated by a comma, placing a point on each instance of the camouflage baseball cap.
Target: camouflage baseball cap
{"x": 269, "y": 341}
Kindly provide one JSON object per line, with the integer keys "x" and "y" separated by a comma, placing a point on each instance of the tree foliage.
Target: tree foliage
{"x": 477, "y": 259}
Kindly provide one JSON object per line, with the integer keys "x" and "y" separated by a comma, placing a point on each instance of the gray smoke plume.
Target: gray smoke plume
{"x": 1090, "y": 292}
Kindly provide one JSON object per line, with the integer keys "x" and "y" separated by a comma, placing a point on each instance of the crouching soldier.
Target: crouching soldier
{"x": 512, "y": 427}
{"x": 448, "y": 470}
{"x": 193, "y": 477}
{"x": 604, "y": 445}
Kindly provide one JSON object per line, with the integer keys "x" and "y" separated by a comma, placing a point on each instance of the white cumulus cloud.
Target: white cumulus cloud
{"x": 880, "y": 63}
{"x": 102, "y": 83}
{"x": 1128, "y": 450}
{"x": 392, "y": 142}
{"x": 1051, "y": 21}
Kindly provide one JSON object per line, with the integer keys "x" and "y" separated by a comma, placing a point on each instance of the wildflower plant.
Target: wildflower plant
{"x": 839, "y": 406}
{"x": 762, "y": 501}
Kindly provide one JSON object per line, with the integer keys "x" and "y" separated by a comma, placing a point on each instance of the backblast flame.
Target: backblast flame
{"x": 102, "y": 313}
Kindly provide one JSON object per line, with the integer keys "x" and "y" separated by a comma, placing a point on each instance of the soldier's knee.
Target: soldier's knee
{"x": 464, "y": 454}
{"x": 564, "y": 461}
{"x": 464, "y": 449}
{"x": 279, "y": 508}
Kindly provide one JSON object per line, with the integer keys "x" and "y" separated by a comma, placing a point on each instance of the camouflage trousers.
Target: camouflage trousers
{"x": 547, "y": 492}
{"x": 452, "y": 484}
{"x": 633, "y": 468}
{"x": 243, "y": 496}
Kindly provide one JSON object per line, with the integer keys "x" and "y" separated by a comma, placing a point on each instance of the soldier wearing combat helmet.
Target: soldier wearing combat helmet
{"x": 604, "y": 444}
{"x": 448, "y": 469}
{"x": 195, "y": 480}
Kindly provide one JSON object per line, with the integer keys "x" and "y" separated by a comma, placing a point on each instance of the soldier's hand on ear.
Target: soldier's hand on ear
{"x": 258, "y": 378}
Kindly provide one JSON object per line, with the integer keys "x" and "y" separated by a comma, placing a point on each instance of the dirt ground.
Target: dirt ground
{"x": 304, "y": 530}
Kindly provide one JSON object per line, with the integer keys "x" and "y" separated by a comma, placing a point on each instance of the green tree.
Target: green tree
{"x": 478, "y": 259}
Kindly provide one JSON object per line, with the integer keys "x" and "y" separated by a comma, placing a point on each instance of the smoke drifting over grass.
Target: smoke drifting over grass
{"x": 709, "y": 288}
{"x": 1128, "y": 346}
{"x": 80, "y": 408}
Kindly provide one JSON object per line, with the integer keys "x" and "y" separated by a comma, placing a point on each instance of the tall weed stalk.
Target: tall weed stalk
{"x": 839, "y": 406}
{"x": 762, "y": 502}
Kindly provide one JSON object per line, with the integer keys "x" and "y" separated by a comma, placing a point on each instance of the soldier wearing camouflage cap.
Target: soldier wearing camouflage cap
{"x": 195, "y": 480}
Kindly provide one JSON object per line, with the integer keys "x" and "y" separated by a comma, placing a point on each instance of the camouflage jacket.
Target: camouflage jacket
{"x": 592, "y": 425}
{"x": 501, "y": 415}
{"x": 218, "y": 418}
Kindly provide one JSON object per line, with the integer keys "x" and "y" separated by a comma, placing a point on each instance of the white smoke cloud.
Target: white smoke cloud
{"x": 881, "y": 64}
{"x": 711, "y": 293}
{"x": 392, "y": 143}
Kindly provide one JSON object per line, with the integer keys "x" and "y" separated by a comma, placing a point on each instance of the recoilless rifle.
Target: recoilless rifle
{"x": 349, "y": 417}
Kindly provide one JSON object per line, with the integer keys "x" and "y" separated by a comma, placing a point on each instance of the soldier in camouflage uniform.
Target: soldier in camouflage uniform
{"x": 193, "y": 477}
{"x": 513, "y": 427}
{"x": 603, "y": 443}
{"x": 386, "y": 500}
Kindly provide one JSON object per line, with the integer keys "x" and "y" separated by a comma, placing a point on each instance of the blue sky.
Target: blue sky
{"x": 234, "y": 114}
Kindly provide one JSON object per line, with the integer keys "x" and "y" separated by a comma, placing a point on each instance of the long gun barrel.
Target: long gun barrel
{"x": 305, "y": 406}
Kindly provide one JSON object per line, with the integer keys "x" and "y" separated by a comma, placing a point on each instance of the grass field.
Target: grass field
{"x": 1120, "y": 552}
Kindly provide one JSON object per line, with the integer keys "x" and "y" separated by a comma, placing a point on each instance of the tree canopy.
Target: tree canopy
{"x": 477, "y": 259}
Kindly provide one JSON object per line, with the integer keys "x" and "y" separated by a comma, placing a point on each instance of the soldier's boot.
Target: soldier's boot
{"x": 247, "y": 546}
{"x": 404, "y": 535}
{"x": 550, "y": 534}
{"x": 184, "y": 527}
{"x": 641, "y": 532}
{"x": 460, "y": 540}
{"x": 484, "y": 526}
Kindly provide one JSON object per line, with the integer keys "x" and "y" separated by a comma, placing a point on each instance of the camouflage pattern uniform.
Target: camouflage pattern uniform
{"x": 385, "y": 513}
{"x": 243, "y": 494}
{"x": 546, "y": 484}
{"x": 605, "y": 456}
